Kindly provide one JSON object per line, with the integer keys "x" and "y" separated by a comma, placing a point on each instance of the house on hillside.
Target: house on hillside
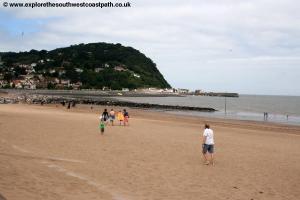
{"x": 3, "y": 83}
{"x": 17, "y": 84}
{"x": 98, "y": 69}
{"x": 65, "y": 82}
{"x": 24, "y": 66}
{"x": 104, "y": 88}
{"x": 167, "y": 90}
{"x": 120, "y": 69}
{"x": 40, "y": 77}
{"x": 182, "y": 91}
{"x": 136, "y": 75}
{"x": 26, "y": 77}
{"x": 52, "y": 71}
{"x": 76, "y": 86}
{"x": 154, "y": 90}
{"x": 29, "y": 84}
{"x": 78, "y": 70}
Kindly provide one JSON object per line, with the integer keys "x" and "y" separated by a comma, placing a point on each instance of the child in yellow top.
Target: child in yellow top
{"x": 120, "y": 117}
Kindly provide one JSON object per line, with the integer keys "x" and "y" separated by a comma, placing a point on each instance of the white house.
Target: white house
{"x": 98, "y": 69}
{"x": 136, "y": 75}
{"x": 167, "y": 90}
{"x": 119, "y": 68}
{"x": 183, "y": 91}
{"x": 51, "y": 71}
{"x": 154, "y": 90}
{"x": 65, "y": 82}
{"x": 78, "y": 70}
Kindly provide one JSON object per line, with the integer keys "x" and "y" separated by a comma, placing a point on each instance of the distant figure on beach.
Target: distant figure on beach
{"x": 73, "y": 103}
{"x": 69, "y": 105}
{"x": 105, "y": 115}
{"x": 112, "y": 116}
{"x": 126, "y": 117}
{"x": 287, "y": 117}
{"x": 102, "y": 126}
{"x": 266, "y": 116}
{"x": 208, "y": 145}
{"x": 120, "y": 117}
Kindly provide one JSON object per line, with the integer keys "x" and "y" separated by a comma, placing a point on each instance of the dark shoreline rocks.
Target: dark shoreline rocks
{"x": 105, "y": 101}
{"x": 148, "y": 106}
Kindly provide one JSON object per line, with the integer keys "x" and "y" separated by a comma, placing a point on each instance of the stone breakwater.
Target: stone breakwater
{"x": 72, "y": 101}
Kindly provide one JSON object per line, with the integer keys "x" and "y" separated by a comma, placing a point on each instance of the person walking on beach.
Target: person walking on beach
{"x": 112, "y": 116}
{"x": 102, "y": 126}
{"x": 105, "y": 115}
{"x": 120, "y": 117}
{"x": 126, "y": 116}
{"x": 208, "y": 145}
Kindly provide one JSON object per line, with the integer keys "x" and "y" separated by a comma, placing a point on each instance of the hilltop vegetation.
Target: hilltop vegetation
{"x": 94, "y": 65}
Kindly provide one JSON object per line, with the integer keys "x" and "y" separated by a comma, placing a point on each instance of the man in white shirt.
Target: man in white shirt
{"x": 208, "y": 145}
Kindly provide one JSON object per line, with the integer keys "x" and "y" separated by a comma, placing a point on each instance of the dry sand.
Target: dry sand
{"x": 54, "y": 153}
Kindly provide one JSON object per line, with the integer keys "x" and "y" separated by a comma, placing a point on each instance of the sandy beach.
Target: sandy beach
{"x": 49, "y": 152}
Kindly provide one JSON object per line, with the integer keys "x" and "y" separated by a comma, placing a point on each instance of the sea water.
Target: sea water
{"x": 280, "y": 109}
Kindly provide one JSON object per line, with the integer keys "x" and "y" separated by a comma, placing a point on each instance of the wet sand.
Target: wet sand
{"x": 49, "y": 152}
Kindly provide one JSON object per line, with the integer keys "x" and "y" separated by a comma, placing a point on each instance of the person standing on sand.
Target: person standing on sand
{"x": 126, "y": 116}
{"x": 208, "y": 145}
{"x": 120, "y": 117}
{"x": 112, "y": 116}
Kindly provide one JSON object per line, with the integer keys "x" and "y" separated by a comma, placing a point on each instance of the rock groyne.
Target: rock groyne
{"x": 45, "y": 99}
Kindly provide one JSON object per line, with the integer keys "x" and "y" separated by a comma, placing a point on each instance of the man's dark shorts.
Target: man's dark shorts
{"x": 208, "y": 148}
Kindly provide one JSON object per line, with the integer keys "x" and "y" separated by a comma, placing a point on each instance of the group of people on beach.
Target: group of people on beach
{"x": 123, "y": 118}
{"x": 109, "y": 118}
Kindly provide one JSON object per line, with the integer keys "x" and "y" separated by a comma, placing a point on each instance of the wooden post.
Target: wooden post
{"x": 225, "y": 106}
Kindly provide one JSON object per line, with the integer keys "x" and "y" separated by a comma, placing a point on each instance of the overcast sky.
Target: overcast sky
{"x": 245, "y": 46}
